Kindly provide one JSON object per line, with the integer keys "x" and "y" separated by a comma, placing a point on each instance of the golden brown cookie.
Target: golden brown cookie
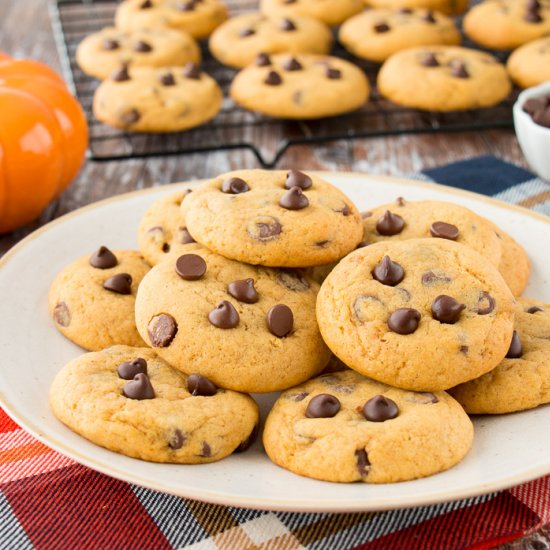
{"x": 529, "y": 65}
{"x": 331, "y": 12}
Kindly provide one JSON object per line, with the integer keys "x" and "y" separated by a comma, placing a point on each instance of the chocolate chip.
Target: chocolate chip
{"x": 145, "y": 5}
{"x": 142, "y": 47}
{"x": 542, "y": 118}
{"x": 206, "y": 451}
{"x": 263, "y": 60}
{"x": 534, "y": 309}
{"x": 404, "y": 320}
{"x": 292, "y": 280}
{"x": 184, "y": 237}
{"x": 264, "y": 228}
{"x": 429, "y": 60}
{"x": 485, "y": 304}
{"x": 400, "y": 201}
{"x": 333, "y": 74}
{"x": 247, "y": 32}
{"x": 243, "y": 291}
{"x": 294, "y": 199}
{"x": 345, "y": 210}
{"x": 430, "y": 278}
{"x": 187, "y": 6}
{"x": 121, "y": 74}
{"x": 129, "y": 369}
{"x": 362, "y": 462}
{"x": 388, "y": 272}
{"x": 535, "y": 104}
{"x": 190, "y": 267}
{"x": 458, "y": 70}
{"x": 295, "y": 178}
{"x": 199, "y": 385}
{"x": 110, "y": 44}
{"x": 139, "y": 388}
{"x": 245, "y": 445}
{"x": 166, "y": 248}
{"x": 390, "y": 224}
{"x": 224, "y": 315}
{"x": 323, "y": 406}
{"x": 62, "y": 314}
{"x": 444, "y": 230}
{"x": 533, "y": 5}
{"x": 515, "y": 351}
{"x": 287, "y": 25}
{"x": 192, "y": 71}
{"x": 446, "y": 309}
{"x": 167, "y": 79}
{"x": 162, "y": 329}
{"x": 533, "y": 16}
{"x": 273, "y": 79}
{"x": 429, "y": 17}
{"x": 130, "y": 117}
{"x": 405, "y": 11}
{"x": 103, "y": 258}
{"x": 235, "y": 186}
{"x": 380, "y": 409}
{"x": 381, "y": 27}
{"x": 280, "y": 320}
{"x": 177, "y": 440}
{"x": 292, "y": 64}
{"x": 296, "y": 396}
{"x": 464, "y": 350}
{"x": 121, "y": 283}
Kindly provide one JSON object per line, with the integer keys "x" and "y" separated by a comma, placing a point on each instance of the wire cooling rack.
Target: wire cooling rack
{"x": 236, "y": 128}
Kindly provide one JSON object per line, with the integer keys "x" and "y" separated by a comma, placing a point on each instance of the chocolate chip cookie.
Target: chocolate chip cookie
{"x": 245, "y": 328}
{"x": 130, "y": 401}
{"x": 92, "y": 300}
{"x": 300, "y": 86}
{"x": 344, "y": 427}
{"x": 529, "y": 65}
{"x": 520, "y": 381}
{"x": 443, "y": 78}
{"x": 168, "y": 99}
{"x": 273, "y": 218}
{"x": 331, "y": 12}
{"x": 378, "y": 33}
{"x": 103, "y": 52}
{"x": 196, "y": 17}
{"x": 421, "y": 314}
{"x": 239, "y": 40}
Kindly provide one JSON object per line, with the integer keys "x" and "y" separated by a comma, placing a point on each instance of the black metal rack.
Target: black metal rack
{"x": 234, "y": 127}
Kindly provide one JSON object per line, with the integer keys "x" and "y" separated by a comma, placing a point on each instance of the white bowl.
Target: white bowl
{"x": 534, "y": 139}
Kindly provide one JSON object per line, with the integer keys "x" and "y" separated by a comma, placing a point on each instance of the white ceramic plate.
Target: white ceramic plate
{"x": 507, "y": 450}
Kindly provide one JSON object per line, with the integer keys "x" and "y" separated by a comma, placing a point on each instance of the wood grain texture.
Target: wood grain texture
{"x": 25, "y": 31}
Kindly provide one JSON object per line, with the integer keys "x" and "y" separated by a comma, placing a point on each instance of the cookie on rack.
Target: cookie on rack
{"x": 520, "y": 381}
{"x": 168, "y": 99}
{"x": 301, "y": 86}
{"x": 162, "y": 229}
{"x": 421, "y": 314}
{"x": 331, "y": 12}
{"x": 344, "y": 427}
{"x": 239, "y": 40}
{"x": 103, "y": 52}
{"x": 130, "y": 401}
{"x": 447, "y": 7}
{"x": 273, "y": 218}
{"x": 92, "y": 300}
{"x": 529, "y": 65}
{"x": 512, "y": 22}
{"x": 378, "y": 33}
{"x": 443, "y": 78}
{"x": 198, "y": 18}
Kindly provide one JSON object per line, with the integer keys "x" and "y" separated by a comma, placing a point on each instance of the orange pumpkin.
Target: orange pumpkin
{"x": 43, "y": 139}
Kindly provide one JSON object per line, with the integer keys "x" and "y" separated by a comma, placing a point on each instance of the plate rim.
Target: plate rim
{"x": 271, "y": 503}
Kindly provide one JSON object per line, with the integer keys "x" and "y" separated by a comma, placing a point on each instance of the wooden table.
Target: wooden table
{"x": 25, "y": 31}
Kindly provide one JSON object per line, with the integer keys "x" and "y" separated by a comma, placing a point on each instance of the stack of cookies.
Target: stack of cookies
{"x": 267, "y": 281}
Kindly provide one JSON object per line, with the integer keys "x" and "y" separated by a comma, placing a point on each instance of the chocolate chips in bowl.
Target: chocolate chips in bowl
{"x": 538, "y": 108}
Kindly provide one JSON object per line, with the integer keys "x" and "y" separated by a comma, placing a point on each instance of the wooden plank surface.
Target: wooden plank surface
{"x": 25, "y": 31}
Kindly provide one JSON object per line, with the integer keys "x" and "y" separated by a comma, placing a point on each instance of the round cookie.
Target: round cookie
{"x": 331, "y": 12}
{"x": 443, "y": 78}
{"x": 447, "y": 7}
{"x": 513, "y": 22}
{"x": 245, "y": 328}
{"x": 239, "y": 40}
{"x": 103, "y": 52}
{"x": 302, "y": 86}
{"x": 154, "y": 413}
{"x": 343, "y": 427}
{"x": 529, "y": 65}
{"x": 378, "y": 33}
{"x": 168, "y": 99}
{"x": 404, "y": 219}
{"x": 514, "y": 265}
{"x": 162, "y": 229}
{"x": 422, "y": 314}
{"x": 92, "y": 300}
{"x": 198, "y": 18}
{"x": 273, "y": 218}
{"x": 520, "y": 381}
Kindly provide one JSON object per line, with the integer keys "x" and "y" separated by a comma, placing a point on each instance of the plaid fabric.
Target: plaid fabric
{"x": 48, "y": 501}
